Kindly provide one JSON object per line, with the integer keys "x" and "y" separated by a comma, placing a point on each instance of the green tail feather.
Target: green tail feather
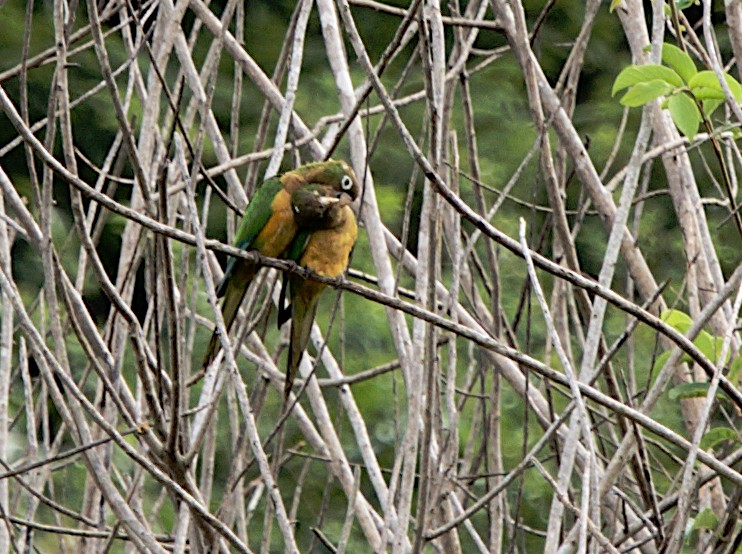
{"x": 303, "y": 310}
{"x": 233, "y": 293}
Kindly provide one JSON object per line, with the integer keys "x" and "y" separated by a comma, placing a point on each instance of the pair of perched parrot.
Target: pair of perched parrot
{"x": 303, "y": 215}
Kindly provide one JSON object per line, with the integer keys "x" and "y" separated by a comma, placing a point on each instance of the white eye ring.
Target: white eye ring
{"x": 346, "y": 183}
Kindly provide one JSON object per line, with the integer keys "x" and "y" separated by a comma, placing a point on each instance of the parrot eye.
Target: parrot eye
{"x": 295, "y": 208}
{"x": 346, "y": 183}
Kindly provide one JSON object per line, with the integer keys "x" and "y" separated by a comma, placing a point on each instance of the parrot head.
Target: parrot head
{"x": 335, "y": 176}
{"x": 319, "y": 206}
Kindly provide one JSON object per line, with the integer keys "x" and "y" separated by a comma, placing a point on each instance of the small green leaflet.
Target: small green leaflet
{"x": 707, "y": 93}
{"x": 709, "y": 106}
{"x": 707, "y": 80}
{"x": 677, "y": 319}
{"x": 685, "y": 114}
{"x": 706, "y": 519}
{"x": 641, "y": 93}
{"x": 682, "y": 4}
{"x": 711, "y": 347}
{"x": 678, "y": 60}
{"x": 635, "y": 74}
{"x": 686, "y": 88}
{"x": 659, "y": 363}
{"x": 695, "y": 389}
{"x": 688, "y": 390}
{"x": 718, "y": 435}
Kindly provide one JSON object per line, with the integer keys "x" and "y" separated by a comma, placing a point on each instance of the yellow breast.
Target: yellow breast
{"x": 328, "y": 250}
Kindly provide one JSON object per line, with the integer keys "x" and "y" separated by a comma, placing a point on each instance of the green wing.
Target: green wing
{"x": 298, "y": 245}
{"x": 256, "y": 216}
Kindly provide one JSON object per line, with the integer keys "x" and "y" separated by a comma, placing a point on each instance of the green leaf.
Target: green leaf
{"x": 635, "y": 74}
{"x": 677, "y": 319}
{"x": 682, "y": 4}
{"x": 705, "y": 343}
{"x": 678, "y": 60}
{"x": 735, "y": 371}
{"x": 734, "y": 86}
{"x": 641, "y": 93}
{"x": 685, "y": 114}
{"x": 660, "y": 361}
{"x": 688, "y": 390}
{"x": 707, "y": 79}
{"x": 704, "y": 78}
{"x": 706, "y": 519}
{"x": 710, "y": 346}
{"x": 693, "y": 390}
{"x": 708, "y": 93}
{"x": 718, "y": 435}
{"x": 709, "y": 106}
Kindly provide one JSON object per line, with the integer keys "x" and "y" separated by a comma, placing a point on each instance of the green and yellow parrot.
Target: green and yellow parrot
{"x": 269, "y": 226}
{"x": 324, "y": 246}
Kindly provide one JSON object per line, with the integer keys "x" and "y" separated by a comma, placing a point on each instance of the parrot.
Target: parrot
{"x": 329, "y": 232}
{"x": 269, "y": 226}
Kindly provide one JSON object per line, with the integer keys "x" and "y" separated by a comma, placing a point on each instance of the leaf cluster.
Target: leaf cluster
{"x": 711, "y": 346}
{"x": 690, "y": 95}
